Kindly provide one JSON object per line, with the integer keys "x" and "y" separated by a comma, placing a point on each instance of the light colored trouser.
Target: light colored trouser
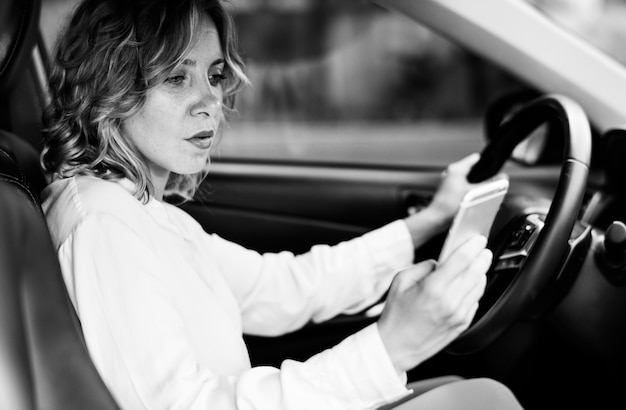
{"x": 453, "y": 393}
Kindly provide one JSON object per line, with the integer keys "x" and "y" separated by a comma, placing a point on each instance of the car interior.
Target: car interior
{"x": 573, "y": 358}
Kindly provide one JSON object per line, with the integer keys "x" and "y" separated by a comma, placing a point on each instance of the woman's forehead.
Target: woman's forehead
{"x": 206, "y": 29}
{"x": 206, "y": 40}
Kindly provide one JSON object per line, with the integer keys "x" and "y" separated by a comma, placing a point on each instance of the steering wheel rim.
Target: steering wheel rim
{"x": 551, "y": 245}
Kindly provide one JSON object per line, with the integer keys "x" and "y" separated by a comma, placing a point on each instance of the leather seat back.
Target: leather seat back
{"x": 44, "y": 363}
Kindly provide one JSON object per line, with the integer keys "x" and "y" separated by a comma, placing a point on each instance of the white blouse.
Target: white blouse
{"x": 163, "y": 305}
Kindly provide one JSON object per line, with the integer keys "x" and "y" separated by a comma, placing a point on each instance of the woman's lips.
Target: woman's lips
{"x": 202, "y": 140}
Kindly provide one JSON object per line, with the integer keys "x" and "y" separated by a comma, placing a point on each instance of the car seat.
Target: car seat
{"x": 44, "y": 363}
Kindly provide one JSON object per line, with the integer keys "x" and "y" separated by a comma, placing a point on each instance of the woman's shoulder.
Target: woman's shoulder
{"x": 87, "y": 194}
{"x": 185, "y": 222}
{"x": 68, "y": 202}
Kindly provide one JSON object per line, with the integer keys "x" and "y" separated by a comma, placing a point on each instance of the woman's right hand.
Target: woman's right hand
{"x": 429, "y": 305}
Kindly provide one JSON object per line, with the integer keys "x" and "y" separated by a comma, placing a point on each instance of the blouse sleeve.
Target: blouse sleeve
{"x": 138, "y": 341}
{"x": 280, "y": 292}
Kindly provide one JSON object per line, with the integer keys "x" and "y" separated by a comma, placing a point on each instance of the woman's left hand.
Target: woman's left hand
{"x": 438, "y": 215}
{"x": 453, "y": 187}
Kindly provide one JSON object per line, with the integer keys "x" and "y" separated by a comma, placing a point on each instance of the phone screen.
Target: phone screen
{"x": 476, "y": 214}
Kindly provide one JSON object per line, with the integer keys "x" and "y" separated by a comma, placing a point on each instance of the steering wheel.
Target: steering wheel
{"x": 540, "y": 244}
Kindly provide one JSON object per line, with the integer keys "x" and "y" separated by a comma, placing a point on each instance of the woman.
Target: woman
{"x": 139, "y": 92}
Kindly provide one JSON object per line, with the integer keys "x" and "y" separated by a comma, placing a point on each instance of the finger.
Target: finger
{"x": 470, "y": 286}
{"x": 477, "y": 291}
{"x": 412, "y": 275}
{"x": 476, "y": 287}
{"x": 474, "y": 279}
{"x": 465, "y": 164}
{"x": 460, "y": 259}
{"x": 469, "y": 315}
{"x": 461, "y": 166}
{"x": 470, "y": 302}
{"x": 478, "y": 267}
{"x": 463, "y": 315}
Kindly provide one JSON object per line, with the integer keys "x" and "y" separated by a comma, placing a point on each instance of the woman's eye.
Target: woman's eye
{"x": 215, "y": 79}
{"x": 175, "y": 79}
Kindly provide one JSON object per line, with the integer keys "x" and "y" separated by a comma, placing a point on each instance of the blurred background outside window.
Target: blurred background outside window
{"x": 350, "y": 82}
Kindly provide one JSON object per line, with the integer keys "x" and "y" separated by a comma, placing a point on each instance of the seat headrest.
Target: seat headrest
{"x": 19, "y": 20}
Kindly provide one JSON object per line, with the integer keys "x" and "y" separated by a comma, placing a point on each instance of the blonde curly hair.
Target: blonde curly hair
{"x": 110, "y": 55}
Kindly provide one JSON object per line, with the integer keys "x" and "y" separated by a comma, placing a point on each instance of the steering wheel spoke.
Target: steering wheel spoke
{"x": 519, "y": 244}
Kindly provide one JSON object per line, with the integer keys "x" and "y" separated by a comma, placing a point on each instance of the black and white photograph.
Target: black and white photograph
{"x": 312, "y": 204}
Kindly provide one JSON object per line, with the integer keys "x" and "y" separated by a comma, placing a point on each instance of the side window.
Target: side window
{"x": 350, "y": 82}
{"x": 343, "y": 82}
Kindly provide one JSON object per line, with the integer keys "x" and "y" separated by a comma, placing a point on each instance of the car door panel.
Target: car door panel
{"x": 292, "y": 207}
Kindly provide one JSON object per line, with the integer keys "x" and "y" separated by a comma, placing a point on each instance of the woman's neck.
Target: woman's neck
{"x": 159, "y": 181}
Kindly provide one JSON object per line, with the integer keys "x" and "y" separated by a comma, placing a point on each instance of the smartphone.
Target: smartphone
{"x": 476, "y": 214}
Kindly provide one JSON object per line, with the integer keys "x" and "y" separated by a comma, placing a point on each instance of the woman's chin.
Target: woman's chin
{"x": 193, "y": 167}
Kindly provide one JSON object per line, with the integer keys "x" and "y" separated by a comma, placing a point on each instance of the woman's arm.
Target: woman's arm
{"x": 153, "y": 352}
{"x": 280, "y": 292}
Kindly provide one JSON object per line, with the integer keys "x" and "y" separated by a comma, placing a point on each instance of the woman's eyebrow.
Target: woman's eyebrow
{"x": 191, "y": 62}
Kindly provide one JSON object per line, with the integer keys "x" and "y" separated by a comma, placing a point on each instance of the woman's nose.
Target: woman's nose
{"x": 208, "y": 103}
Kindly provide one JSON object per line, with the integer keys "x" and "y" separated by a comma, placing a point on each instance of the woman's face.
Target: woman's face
{"x": 175, "y": 128}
